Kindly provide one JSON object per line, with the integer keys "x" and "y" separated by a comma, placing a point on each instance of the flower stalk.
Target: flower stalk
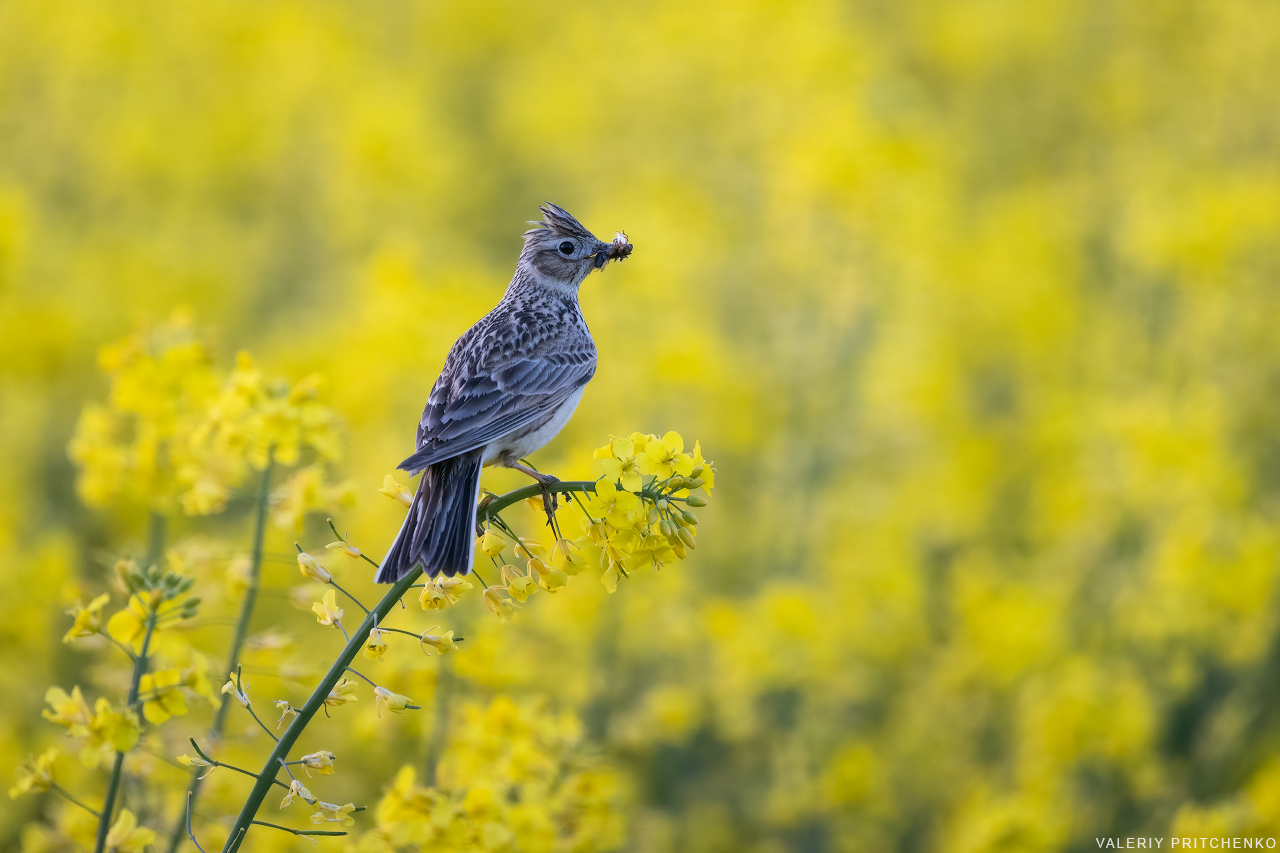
{"x": 355, "y": 643}
{"x": 113, "y": 786}
{"x": 241, "y": 632}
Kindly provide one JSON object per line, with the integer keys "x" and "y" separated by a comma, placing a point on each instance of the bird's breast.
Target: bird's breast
{"x": 514, "y": 446}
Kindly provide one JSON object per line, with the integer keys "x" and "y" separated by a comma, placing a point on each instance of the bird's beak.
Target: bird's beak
{"x": 619, "y": 249}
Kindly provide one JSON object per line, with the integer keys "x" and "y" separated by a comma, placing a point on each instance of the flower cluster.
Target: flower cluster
{"x": 513, "y": 777}
{"x": 639, "y": 514}
{"x": 174, "y": 433}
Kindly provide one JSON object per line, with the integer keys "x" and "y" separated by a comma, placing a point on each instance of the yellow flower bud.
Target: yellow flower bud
{"x": 395, "y": 490}
{"x": 432, "y": 597}
{"x": 442, "y": 643}
{"x": 296, "y": 790}
{"x": 519, "y": 586}
{"x": 375, "y": 646}
{"x": 342, "y": 693}
{"x": 501, "y": 607}
{"x": 550, "y": 579}
{"x": 687, "y": 538}
{"x": 321, "y": 762}
{"x": 310, "y": 568}
{"x": 491, "y": 543}
{"x": 393, "y": 702}
{"x": 343, "y": 548}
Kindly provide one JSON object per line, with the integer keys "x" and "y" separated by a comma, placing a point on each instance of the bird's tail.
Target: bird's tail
{"x": 439, "y": 530}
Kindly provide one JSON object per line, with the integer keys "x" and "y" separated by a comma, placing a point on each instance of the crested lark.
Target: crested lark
{"x": 510, "y": 383}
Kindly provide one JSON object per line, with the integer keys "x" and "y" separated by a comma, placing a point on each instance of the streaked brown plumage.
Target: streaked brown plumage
{"x": 508, "y": 386}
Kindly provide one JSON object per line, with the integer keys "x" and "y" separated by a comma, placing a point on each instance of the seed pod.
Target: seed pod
{"x": 689, "y": 517}
{"x": 696, "y": 501}
{"x": 687, "y": 538}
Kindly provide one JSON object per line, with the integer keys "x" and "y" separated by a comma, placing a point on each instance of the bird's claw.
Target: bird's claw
{"x": 550, "y": 500}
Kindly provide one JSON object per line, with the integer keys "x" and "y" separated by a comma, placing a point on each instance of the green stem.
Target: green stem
{"x": 113, "y": 787}
{"x": 514, "y": 496}
{"x": 200, "y": 752}
{"x": 309, "y": 709}
{"x": 237, "y": 641}
{"x": 302, "y": 832}
{"x": 55, "y": 787}
{"x": 353, "y": 647}
{"x": 439, "y": 733}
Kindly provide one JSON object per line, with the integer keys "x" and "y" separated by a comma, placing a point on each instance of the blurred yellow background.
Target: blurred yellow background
{"x": 973, "y": 303}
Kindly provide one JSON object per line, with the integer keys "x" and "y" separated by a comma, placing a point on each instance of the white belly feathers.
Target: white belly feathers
{"x": 526, "y": 440}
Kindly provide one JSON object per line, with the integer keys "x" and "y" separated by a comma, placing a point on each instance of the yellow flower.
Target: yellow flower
{"x": 393, "y": 702}
{"x": 453, "y": 587}
{"x": 163, "y": 694}
{"x": 196, "y": 678}
{"x": 375, "y": 646}
{"x": 109, "y": 730}
{"x": 193, "y": 761}
{"x": 285, "y": 710}
{"x": 621, "y": 464}
{"x": 501, "y": 606}
{"x": 549, "y": 578}
{"x": 88, "y": 620}
{"x": 343, "y": 548}
{"x": 491, "y": 543}
{"x": 708, "y": 473}
{"x": 70, "y": 711}
{"x": 327, "y": 611}
{"x": 432, "y": 597}
{"x": 442, "y": 643}
{"x": 321, "y": 762}
{"x": 529, "y": 548}
{"x": 129, "y": 626}
{"x": 610, "y": 577}
{"x": 395, "y": 491}
{"x": 127, "y": 837}
{"x": 618, "y": 506}
{"x": 342, "y": 693}
{"x": 567, "y": 557}
{"x": 519, "y": 585}
{"x": 310, "y": 568}
{"x": 237, "y": 689}
{"x": 331, "y": 813}
{"x": 296, "y": 790}
{"x": 35, "y": 774}
{"x": 665, "y": 458}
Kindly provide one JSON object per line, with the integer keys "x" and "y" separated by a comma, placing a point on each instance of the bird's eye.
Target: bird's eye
{"x": 566, "y": 248}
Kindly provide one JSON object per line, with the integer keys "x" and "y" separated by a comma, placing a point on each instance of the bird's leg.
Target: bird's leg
{"x": 550, "y": 502}
{"x": 484, "y": 502}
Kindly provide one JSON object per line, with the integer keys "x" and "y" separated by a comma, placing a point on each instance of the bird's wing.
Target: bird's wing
{"x": 487, "y": 392}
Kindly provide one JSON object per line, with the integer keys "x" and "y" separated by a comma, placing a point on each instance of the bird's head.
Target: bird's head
{"x": 562, "y": 253}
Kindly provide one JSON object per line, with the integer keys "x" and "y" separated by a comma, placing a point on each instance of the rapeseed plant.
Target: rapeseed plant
{"x": 218, "y": 430}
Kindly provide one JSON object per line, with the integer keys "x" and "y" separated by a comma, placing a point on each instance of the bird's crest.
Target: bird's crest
{"x": 559, "y": 222}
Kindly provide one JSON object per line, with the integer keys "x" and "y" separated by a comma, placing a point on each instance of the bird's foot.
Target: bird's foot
{"x": 484, "y": 502}
{"x": 550, "y": 500}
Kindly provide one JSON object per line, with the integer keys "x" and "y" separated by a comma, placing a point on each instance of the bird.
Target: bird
{"x": 509, "y": 384}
